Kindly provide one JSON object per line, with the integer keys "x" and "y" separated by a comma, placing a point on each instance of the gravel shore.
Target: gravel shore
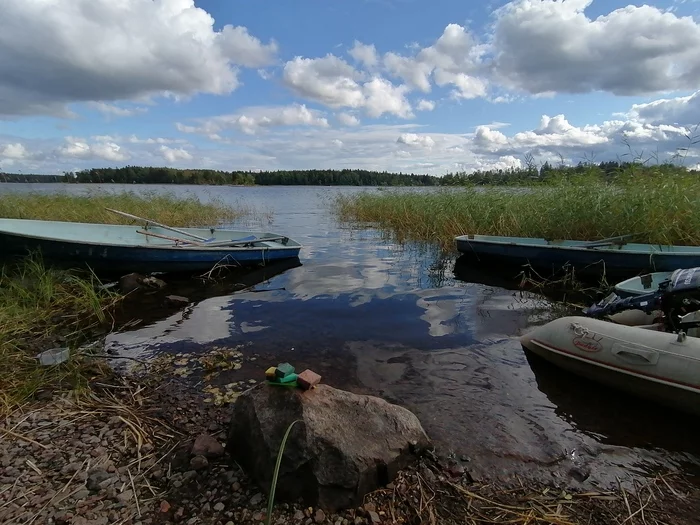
{"x": 151, "y": 450}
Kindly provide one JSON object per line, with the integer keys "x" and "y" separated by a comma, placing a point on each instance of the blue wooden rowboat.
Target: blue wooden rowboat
{"x": 123, "y": 248}
{"x": 612, "y": 256}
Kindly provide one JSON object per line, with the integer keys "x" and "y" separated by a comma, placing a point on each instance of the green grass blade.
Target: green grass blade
{"x": 273, "y": 487}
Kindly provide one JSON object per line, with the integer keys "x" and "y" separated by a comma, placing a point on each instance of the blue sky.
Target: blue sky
{"x": 399, "y": 85}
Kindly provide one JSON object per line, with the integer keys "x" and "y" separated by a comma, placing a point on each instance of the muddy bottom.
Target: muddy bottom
{"x": 449, "y": 353}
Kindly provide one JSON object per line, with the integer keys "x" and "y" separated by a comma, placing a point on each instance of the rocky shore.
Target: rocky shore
{"x": 150, "y": 449}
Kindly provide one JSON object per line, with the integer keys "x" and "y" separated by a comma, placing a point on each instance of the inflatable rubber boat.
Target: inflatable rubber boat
{"x": 647, "y": 344}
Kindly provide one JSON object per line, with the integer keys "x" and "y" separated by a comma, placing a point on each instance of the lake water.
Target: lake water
{"x": 397, "y": 321}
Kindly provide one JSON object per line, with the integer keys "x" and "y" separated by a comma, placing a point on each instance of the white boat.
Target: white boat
{"x": 643, "y": 360}
{"x": 641, "y": 284}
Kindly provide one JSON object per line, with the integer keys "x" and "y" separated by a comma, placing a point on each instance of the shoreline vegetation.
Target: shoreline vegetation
{"x": 43, "y": 308}
{"x": 659, "y": 207}
{"x": 525, "y": 176}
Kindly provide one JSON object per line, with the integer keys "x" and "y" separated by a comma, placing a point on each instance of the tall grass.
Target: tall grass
{"x": 164, "y": 208}
{"x": 662, "y": 209}
{"x": 41, "y": 308}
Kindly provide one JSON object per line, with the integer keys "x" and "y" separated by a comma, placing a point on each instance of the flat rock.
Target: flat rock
{"x": 345, "y": 445}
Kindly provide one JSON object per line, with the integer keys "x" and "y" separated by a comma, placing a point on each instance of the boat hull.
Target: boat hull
{"x": 110, "y": 256}
{"x": 553, "y": 256}
{"x": 651, "y": 365}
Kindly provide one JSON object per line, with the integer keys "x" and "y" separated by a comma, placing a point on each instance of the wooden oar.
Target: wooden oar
{"x": 610, "y": 240}
{"x": 220, "y": 244}
{"x": 128, "y": 215}
{"x": 167, "y": 237}
{"x": 249, "y": 241}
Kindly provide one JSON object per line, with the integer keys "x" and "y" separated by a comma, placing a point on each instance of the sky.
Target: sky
{"x": 392, "y": 85}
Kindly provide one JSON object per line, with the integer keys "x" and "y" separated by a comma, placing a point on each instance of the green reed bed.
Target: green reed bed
{"x": 661, "y": 209}
{"x": 164, "y": 208}
{"x": 43, "y": 307}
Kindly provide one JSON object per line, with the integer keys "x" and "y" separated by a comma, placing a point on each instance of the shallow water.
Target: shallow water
{"x": 400, "y": 322}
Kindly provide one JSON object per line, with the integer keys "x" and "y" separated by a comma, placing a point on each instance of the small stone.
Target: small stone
{"x": 177, "y": 300}
{"x": 374, "y": 517}
{"x": 126, "y": 496}
{"x": 258, "y": 516}
{"x": 299, "y": 515}
{"x": 320, "y": 516}
{"x": 257, "y": 499}
{"x": 190, "y": 474}
{"x": 199, "y": 462}
{"x": 96, "y": 477}
{"x": 164, "y": 506}
{"x": 81, "y": 494}
{"x": 219, "y": 507}
{"x": 370, "y": 507}
{"x": 207, "y": 446}
{"x": 456, "y": 471}
{"x": 153, "y": 282}
{"x": 236, "y": 486}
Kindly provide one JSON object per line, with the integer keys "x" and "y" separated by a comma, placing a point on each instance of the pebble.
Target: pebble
{"x": 219, "y": 507}
{"x": 257, "y": 499}
{"x": 199, "y": 463}
{"x": 320, "y": 516}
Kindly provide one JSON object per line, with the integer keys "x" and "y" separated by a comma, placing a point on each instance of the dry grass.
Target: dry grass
{"x": 427, "y": 495}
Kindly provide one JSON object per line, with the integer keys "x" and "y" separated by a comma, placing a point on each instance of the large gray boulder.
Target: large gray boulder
{"x": 344, "y": 446}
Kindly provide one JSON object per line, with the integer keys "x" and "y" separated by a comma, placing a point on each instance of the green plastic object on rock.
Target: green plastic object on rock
{"x": 284, "y": 370}
{"x": 283, "y": 376}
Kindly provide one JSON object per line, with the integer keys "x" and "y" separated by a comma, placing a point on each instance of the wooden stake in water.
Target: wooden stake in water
{"x": 128, "y": 215}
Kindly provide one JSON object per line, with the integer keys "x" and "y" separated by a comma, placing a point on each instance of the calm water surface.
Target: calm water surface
{"x": 401, "y": 322}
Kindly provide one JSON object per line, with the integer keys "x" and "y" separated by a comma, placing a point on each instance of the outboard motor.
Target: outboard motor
{"x": 676, "y": 297}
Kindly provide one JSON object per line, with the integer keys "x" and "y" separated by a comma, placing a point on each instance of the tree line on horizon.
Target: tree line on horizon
{"x": 344, "y": 177}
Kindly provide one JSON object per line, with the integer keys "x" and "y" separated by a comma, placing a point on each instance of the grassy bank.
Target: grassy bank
{"x": 164, "y": 208}
{"x": 662, "y": 210}
{"x": 43, "y": 307}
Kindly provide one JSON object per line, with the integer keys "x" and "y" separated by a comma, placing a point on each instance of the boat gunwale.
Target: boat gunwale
{"x": 179, "y": 248}
{"x": 627, "y": 248}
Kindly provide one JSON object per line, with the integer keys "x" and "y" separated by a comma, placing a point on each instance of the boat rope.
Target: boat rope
{"x": 582, "y": 331}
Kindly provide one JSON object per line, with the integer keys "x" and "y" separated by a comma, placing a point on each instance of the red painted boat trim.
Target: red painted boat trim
{"x": 629, "y": 371}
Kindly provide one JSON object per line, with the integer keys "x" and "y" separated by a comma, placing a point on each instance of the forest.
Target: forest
{"x": 528, "y": 175}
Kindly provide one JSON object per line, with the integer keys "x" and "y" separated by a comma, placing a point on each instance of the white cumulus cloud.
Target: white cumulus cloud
{"x": 543, "y": 46}
{"x": 346, "y": 119}
{"x": 101, "y": 149}
{"x": 174, "y": 154}
{"x": 333, "y": 82}
{"x": 254, "y": 119}
{"x": 55, "y": 52}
